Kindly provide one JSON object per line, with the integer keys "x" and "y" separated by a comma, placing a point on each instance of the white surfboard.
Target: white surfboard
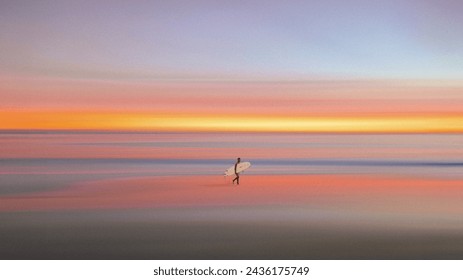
{"x": 240, "y": 168}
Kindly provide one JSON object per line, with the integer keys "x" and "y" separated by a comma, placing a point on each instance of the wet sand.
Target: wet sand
{"x": 266, "y": 217}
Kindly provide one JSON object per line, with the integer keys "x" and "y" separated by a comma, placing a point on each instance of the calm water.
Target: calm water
{"x": 134, "y": 195}
{"x": 31, "y": 162}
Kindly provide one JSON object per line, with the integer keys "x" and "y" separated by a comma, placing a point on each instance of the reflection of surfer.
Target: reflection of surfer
{"x": 237, "y": 178}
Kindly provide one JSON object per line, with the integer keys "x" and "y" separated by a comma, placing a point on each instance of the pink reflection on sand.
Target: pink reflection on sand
{"x": 362, "y": 192}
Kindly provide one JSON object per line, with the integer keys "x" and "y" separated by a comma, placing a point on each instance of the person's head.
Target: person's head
{"x": 239, "y": 159}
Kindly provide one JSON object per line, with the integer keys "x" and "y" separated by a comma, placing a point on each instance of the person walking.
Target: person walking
{"x": 237, "y": 178}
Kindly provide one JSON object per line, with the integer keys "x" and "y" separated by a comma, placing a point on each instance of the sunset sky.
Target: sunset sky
{"x": 298, "y": 66}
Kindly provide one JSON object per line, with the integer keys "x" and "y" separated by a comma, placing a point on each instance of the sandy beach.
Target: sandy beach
{"x": 266, "y": 217}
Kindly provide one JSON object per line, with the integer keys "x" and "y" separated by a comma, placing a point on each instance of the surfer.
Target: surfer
{"x": 237, "y": 178}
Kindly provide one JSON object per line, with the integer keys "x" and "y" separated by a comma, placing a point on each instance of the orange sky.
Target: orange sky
{"x": 209, "y": 122}
{"x": 394, "y": 67}
{"x": 315, "y": 106}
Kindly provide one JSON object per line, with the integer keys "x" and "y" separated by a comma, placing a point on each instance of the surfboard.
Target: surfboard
{"x": 240, "y": 168}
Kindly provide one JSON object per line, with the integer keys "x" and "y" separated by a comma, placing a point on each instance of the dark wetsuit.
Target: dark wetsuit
{"x": 237, "y": 178}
